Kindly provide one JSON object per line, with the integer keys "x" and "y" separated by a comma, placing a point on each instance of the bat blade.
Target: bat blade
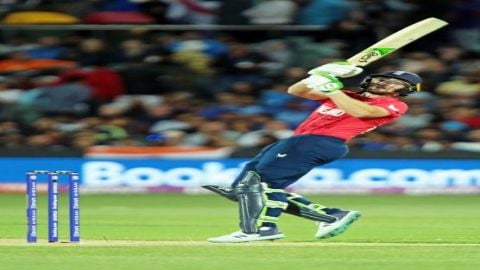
{"x": 396, "y": 41}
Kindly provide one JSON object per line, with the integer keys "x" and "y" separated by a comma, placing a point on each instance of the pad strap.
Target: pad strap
{"x": 312, "y": 211}
{"x": 269, "y": 204}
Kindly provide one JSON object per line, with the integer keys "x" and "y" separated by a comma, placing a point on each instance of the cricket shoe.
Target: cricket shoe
{"x": 264, "y": 233}
{"x": 345, "y": 220}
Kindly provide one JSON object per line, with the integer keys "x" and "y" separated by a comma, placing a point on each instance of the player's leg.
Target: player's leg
{"x": 280, "y": 164}
{"x": 275, "y": 163}
{"x": 345, "y": 218}
{"x": 257, "y": 211}
{"x": 257, "y": 202}
{"x": 308, "y": 209}
{"x": 331, "y": 221}
{"x": 298, "y": 157}
{"x": 293, "y": 209}
{"x": 326, "y": 229}
{"x": 296, "y": 206}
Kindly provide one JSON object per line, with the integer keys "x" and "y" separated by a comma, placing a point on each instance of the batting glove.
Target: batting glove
{"x": 338, "y": 69}
{"x": 323, "y": 83}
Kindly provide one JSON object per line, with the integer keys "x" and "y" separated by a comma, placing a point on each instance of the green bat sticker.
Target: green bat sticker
{"x": 374, "y": 53}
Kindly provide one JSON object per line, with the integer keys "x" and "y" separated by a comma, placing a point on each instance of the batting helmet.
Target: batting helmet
{"x": 411, "y": 78}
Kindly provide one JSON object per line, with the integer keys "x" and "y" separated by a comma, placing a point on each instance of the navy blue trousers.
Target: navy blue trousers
{"x": 282, "y": 163}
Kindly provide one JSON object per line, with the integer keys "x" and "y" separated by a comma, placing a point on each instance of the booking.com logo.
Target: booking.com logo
{"x": 109, "y": 173}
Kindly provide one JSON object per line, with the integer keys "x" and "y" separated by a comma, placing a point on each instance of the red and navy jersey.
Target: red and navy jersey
{"x": 330, "y": 120}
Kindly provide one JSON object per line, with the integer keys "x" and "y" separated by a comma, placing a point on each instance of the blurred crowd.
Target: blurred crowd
{"x": 221, "y": 89}
{"x": 227, "y": 12}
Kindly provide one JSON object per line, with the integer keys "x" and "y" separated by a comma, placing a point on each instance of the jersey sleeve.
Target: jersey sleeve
{"x": 394, "y": 106}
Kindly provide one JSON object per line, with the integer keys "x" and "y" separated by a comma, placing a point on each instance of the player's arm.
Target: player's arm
{"x": 301, "y": 89}
{"x": 356, "y": 107}
{"x": 350, "y": 105}
{"x": 323, "y": 80}
{"x": 323, "y": 83}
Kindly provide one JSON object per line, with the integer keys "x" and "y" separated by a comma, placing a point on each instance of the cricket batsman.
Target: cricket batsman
{"x": 321, "y": 138}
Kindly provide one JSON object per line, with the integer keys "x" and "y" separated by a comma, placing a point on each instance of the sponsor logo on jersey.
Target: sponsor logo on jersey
{"x": 327, "y": 110}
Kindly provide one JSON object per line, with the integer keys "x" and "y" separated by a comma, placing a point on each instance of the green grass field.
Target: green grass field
{"x": 165, "y": 231}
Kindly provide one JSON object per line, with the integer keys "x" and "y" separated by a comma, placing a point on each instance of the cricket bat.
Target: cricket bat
{"x": 396, "y": 41}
